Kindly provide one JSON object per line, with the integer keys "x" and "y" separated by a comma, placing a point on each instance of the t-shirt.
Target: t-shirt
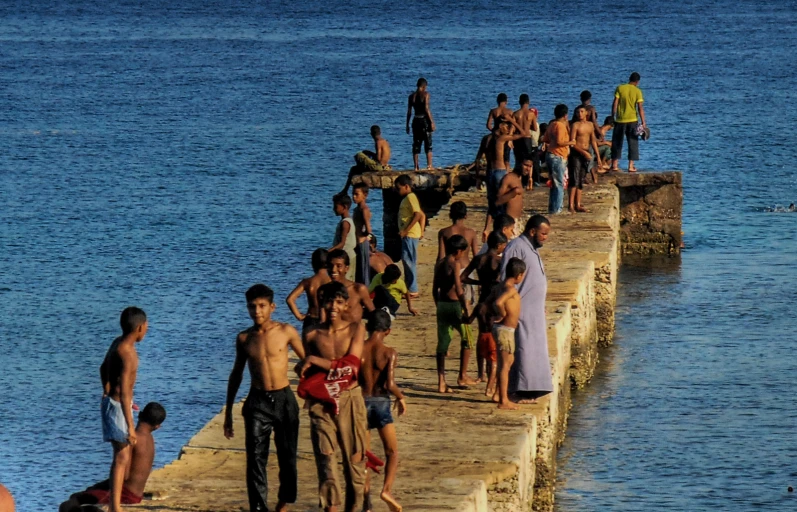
{"x": 557, "y": 135}
{"x": 629, "y": 95}
{"x": 409, "y": 205}
{"x": 396, "y": 290}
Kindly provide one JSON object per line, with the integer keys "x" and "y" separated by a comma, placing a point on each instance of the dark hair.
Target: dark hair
{"x": 378, "y": 321}
{"x": 361, "y": 186}
{"x": 376, "y": 130}
{"x": 421, "y": 82}
{"x": 373, "y": 240}
{"x": 495, "y": 238}
{"x": 501, "y": 98}
{"x": 560, "y": 110}
{"x": 342, "y": 200}
{"x": 575, "y": 112}
{"x": 609, "y": 120}
{"x": 131, "y": 319}
{"x": 391, "y": 273}
{"x": 585, "y": 96}
{"x": 403, "y": 180}
{"x": 501, "y": 221}
{"x": 153, "y": 413}
{"x": 331, "y": 291}
{"x": 319, "y": 259}
{"x": 535, "y": 222}
{"x": 634, "y": 77}
{"x": 543, "y": 128}
{"x": 524, "y": 99}
{"x": 338, "y": 254}
{"x": 515, "y": 267}
{"x": 455, "y": 244}
{"x": 458, "y": 210}
{"x": 260, "y": 291}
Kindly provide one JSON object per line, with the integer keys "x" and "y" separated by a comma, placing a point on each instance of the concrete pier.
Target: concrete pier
{"x": 458, "y": 452}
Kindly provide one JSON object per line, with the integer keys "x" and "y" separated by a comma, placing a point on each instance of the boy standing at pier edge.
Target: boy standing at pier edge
{"x": 270, "y": 405}
{"x": 410, "y": 223}
{"x": 362, "y": 227}
{"x": 627, "y": 99}
{"x": 557, "y": 139}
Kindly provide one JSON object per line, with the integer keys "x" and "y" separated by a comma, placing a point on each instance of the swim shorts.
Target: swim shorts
{"x": 504, "y": 338}
{"x": 100, "y": 494}
{"x": 449, "y": 319}
{"x": 421, "y": 135}
{"x": 377, "y": 409}
{"x": 577, "y": 168}
{"x": 486, "y": 346}
{"x": 114, "y": 426}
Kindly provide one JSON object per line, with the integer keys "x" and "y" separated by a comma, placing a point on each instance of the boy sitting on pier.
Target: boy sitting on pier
{"x": 377, "y": 259}
{"x": 137, "y": 472}
{"x": 388, "y": 289}
{"x": 377, "y": 377}
{"x": 270, "y": 404}
{"x": 309, "y": 286}
{"x": 505, "y": 303}
{"x": 452, "y": 311}
{"x": 370, "y": 161}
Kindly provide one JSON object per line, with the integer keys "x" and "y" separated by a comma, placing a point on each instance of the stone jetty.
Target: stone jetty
{"x": 458, "y": 452}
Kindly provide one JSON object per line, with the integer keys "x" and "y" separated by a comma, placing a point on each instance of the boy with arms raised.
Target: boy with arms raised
{"x": 378, "y": 379}
{"x": 270, "y": 405}
{"x": 452, "y": 311}
{"x": 345, "y": 237}
{"x": 118, "y": 375}
{"x": 309, "y": 286}
{"x": 137, "y": 472}
{"x": 505, "y": 301}
{"x": 335, "y": 400}
{"x": 362, "y": 228}
{"x": 357, "y": 294}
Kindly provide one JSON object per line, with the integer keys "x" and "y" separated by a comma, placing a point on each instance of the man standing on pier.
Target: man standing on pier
{"x": 627, "y": 99}
{"x": 530, "y": 377}
{"x": 422, "y": 123}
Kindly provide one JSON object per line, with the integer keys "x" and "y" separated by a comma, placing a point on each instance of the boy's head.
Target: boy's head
{"x": 359, "y": 193}
{"x": 608, "y": 121}
{"x": 515, "y": 269}
{"x": 580, "y": 114}
{"x": 585, "y": 96}
{"x": 392, "y": 274}
{"x": 338, "y": 264}
{"x": 319, "y": 259}
{"x": 260, "y": 303}
{"x": 133, "y": 320}
{"x": 496, "y": 241}
{"x": 334, "y": 299}
{"x": 560, "y": 111}
{"x": 634, "y": 78}
{"x": 153, "y": 415}
{"x": 524, "y": 99}
{"x": 525, "y": 168}
{"x": 537, "y": 228}
{"x": 372, "y": 242}
{"x": 421, "y": 83}
{"x": 403, "y": 185}
{"x": 543, "y": 127}
{"x": 501, "y": 98}
{"x": 455, "y": 245}
{"x": 376, "y": 131}
{"x": 458, "y": 210}
{"x": 341, "y": 203}
{"x": 505, "y": 224}
{"x": 379, "y": 321}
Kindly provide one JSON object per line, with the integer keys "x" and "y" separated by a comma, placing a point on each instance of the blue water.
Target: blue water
{"x": 169, "y": 155}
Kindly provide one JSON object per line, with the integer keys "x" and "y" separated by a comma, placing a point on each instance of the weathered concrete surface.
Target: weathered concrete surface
{"x": 458, "y": 452}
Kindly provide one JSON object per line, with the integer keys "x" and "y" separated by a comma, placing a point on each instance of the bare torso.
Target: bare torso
{"x": 511, "y": 307}
{"x": 584, "y": 131}
{"x": 464, "y": 231}
{"x": 512, "y": 184}
{"x": 445, "y": 280}
{"x": 382, "y": 151}
{"x": 311, "y": 289}
{"x": 329, "y": 343}
{"x": 360, "y": 228}
{"x": 141, "y": 462}
{"x": 359, "y": 300}
{"x": 266, "y": 349}
{"x": 495, "y": 152}
{"x": 379, "y": 261}
{"x": 114, "y": 363}
{"x": 527, "y": 120}
{"x": 373, "y": 372}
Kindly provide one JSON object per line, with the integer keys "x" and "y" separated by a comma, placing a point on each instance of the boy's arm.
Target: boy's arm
{"x": 490, "y": 119}
{"x": 441, "y": 250}
{"x": 295, "y": 341}
{"x": 357, "y": 342}
{"x": 429, "y": 111}
{"x": 106, "y": 385}
{"x": 126, "y": 382}
{"x": 409, "y": 111}
{"x": 507, "y": 192}
{"x": 390, "y": 383}
{"x": 367, "y": 218}
{"x": 436, "y": 282}
{"x": 465, "y": 276}
{"x": 572, "y": 143}
{"x": 486, "y": 232}
{"x": 413, "y": 311}
{"x": 365, "y": 298}
{"x": 234, "y": 382}
{"x": 615, "y": 103}
{"x": 535, "y": 126}
{"x": 594, "y": 143}
{"x": 291, "y": 300}
{"x": 344, "y": 231}
{"x": 416, "y": 219}
{"x": 460, "y": 291}
{"x": 642, "y": 114}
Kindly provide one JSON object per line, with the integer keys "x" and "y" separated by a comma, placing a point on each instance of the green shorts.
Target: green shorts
{"x": 449, "y": 319}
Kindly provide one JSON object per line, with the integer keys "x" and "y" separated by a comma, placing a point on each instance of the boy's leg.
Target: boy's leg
{"x": 352, "y": 427}
{"x": 633, "y": 145}
{"x": 409, "y": 256}
{"x": 505, "y": 363}
{"x": 479, "y": 367}
{"x": 324, "y": 437}
{"x": 618, "y": 134}
{"x": 363, "y": 255}
{"x": 490, "y": 390}
{"x": 390, "y": 443}
{"x": 122, "y": 453}
{"x": 258, "y": 426}
{"x": 468, "y": 344}
{"x": 367, "y": 506}
{"x": 444, "y": 334}
{"x": 286, "y": 439}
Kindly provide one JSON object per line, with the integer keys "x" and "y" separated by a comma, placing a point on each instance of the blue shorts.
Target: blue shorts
{"x": 114, "y": 426}
{"x": 377, "y": 409}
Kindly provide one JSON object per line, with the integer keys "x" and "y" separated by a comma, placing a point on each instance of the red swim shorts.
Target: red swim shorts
{"x": 102, "y": 493}
{"x": 486, "y": 346}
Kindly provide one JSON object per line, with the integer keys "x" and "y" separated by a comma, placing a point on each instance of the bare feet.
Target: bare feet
{"x": 467, "y": 381}
{"x": 392, "y": 504}
{"x": 571, "y": 210}
{"x": 527, "y": 401}
{"x": 281, "y": 507}
{"x": 481, "y": 379}
{"x": 508, "y": 406}
{"x": 444, "y": 389}
{"x": 581, "y": 209}
{"x": 489, "y": 392}
{"x": 632, "y": 169}
{"x": 496, "y": 398}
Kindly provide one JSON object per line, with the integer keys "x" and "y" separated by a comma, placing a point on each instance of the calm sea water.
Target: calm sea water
{"x": 169, "y": 155}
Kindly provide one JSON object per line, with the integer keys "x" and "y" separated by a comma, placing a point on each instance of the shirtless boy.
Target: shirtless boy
{"x": 510, "y": 194}
{"x": 505, "y": 301}
{"x": 309, "y": 286}
{"x": 458, "y": 213}
{"x": 270, "y": 405}
{"x": 138, "y": 472}
{"x": 422, "y": 123}
{"x": 378, "y": 260}
{"x": 527, "y": 120}
{"x": 118, "y": 374}
{"x": 337, "y": 341}
{"x": 378, "y": 380}
{"x": 496, "y": 161}
{"x": 582, "y": 134}
{"x": 345, "y": 237}
{"x": 499, "y": 112}
{"x": 356, "y": 294}
{"x": 362, "y": 228}
{"x": 452, "y": 312}
{"x": 378, "y": 160}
